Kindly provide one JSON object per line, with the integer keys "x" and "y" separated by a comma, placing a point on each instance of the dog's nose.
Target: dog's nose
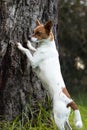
{"x": 29, "y": 37}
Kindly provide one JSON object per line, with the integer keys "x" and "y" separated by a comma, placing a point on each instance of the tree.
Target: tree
{"x": 18, "y": 84}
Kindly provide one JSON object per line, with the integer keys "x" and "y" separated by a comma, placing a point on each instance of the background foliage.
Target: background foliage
{"x": 73, "y": 43}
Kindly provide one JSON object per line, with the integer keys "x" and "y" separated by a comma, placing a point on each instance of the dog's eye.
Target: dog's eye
{"x": 38, "y": 33}
{"x": 33, "y": 31}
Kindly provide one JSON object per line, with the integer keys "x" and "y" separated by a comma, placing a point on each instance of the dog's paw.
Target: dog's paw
{"x": 79, "y": 124}
{"x": 77, "y": 119}
{"x": 30, "y": 46}
{"x": 18, "y": 44}
{"x": 28, "y": 43}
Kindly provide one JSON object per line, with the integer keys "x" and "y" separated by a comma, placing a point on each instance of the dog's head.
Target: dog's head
{"x": 42, "y": 32}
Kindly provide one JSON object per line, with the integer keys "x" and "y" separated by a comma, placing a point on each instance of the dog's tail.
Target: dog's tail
{"x": 78, "y": 120}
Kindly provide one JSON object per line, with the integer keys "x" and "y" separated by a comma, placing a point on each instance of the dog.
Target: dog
{"x": 45, "y": 63}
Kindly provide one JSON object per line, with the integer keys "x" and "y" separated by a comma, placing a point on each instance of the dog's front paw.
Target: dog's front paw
{"x": 30, "y": 46}
{"x": 28, "y": 43}
{"x": 18, "y": 44}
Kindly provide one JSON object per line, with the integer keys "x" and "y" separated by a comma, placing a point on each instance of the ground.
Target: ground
{"x": 44, "y": 120}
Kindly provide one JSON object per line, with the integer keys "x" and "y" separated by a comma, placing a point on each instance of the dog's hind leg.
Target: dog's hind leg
{"x": 67, "y": 126}
{"x": 77, "y": 120}
{"x": 59, "y": 122}
{"x": 73, "y": 105}
{"x": 61, "y": 113}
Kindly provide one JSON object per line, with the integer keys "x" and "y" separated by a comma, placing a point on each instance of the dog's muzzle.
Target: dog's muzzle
{"x": 33, "y": 39}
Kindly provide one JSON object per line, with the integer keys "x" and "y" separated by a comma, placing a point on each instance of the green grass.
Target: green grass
{"x": 44, "y": 120}
{"x": 81, "y": 100}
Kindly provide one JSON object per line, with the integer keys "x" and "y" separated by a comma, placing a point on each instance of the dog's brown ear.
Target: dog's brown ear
{"x": 38, "y": 22}
{"x": 48, "y": 26}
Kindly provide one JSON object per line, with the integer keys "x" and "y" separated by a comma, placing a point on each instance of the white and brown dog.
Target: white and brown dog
{"x": 45, "y": 63}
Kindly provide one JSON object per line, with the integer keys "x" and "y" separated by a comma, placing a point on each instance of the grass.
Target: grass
{"x": 44, "y": 120}
{"x": 81, "y": 100}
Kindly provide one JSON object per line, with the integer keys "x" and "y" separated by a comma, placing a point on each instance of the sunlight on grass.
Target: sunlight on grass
{"x": 44, "y": 120}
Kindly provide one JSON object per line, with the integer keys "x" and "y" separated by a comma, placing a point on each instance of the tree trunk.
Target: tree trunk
{"x": 18, "y": 84}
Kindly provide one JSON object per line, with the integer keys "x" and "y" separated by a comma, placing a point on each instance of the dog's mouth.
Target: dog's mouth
{"x": 34, "y": 40}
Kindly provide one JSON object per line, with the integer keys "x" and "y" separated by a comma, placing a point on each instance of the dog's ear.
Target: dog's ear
{"x": 48, "y": 26}
{"x": 38, "y": 22}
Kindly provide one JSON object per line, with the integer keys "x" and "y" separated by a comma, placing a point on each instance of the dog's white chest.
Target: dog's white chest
{"x": 47, "y": 68}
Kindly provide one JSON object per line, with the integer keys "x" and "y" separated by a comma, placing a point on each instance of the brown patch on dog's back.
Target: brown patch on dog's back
{"x": 73, "y": 105}
{"x": 65, "y": 91}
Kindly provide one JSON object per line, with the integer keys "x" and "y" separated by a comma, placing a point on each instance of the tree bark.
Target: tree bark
{"x": 18, "y": 84}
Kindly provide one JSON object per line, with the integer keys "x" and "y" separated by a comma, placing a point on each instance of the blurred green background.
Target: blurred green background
{"x": 72, "y": 36}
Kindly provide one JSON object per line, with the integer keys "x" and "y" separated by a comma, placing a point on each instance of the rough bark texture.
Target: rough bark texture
{"x": 18, "y": 84}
